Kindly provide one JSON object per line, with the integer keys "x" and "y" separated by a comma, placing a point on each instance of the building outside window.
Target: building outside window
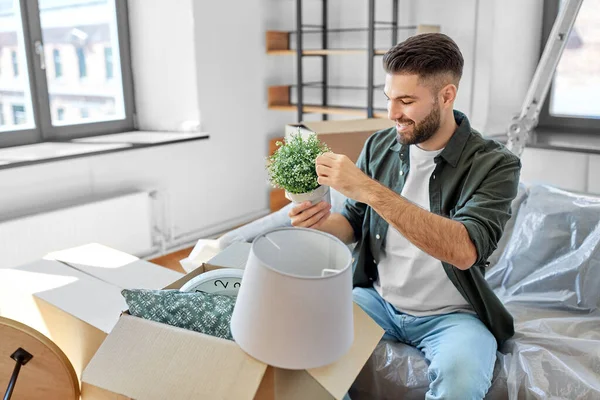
{"x": 82, "y": 39}
{"x": 19, "y": 116}
{"x": 15, "y": 63}
{"x": 57, "y": 63}
{"x": 81, "y": 62}
{"x": 572, "y": 103}
{"x": 108, "y": 61}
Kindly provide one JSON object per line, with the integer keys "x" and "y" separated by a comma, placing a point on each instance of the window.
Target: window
{"x": 108, "y": 62}
{"x": 15, "y": 63}
{"x": 57, "y": 63}
{"x": 572, "y": 100}
{"x": 84, "y": 39}
{"x": 81, "y": 62}
{"x": 19, "y": 116}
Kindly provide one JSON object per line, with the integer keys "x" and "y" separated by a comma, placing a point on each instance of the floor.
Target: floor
{"x": 171, "y": 260}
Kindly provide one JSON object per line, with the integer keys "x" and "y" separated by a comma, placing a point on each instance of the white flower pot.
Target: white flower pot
{"x": 319, "y": 194}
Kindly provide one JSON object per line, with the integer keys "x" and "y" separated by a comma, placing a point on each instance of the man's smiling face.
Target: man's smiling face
{"x": 413, "y": 106}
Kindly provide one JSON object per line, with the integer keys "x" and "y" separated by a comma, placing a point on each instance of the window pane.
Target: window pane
{"x": 79, "y": 32}
{"x": 577, "y": 79}
{"x": 16, "y": 112}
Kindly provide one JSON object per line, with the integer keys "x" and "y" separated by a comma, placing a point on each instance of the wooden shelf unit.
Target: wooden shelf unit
{"x": 278, "y": 98}
{"x": 278, "y": 43}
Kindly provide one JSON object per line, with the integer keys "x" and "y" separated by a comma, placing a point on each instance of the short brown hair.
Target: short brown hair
{"x": 429, "y": 55}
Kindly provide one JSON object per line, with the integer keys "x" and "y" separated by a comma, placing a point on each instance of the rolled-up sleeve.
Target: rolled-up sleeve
{"x": 485, "y": 214}
{"x": 353, "y": 210}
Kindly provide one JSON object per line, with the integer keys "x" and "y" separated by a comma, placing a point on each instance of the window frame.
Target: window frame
{"x": 546, "y": 120}
{"x": 44, "y": 130}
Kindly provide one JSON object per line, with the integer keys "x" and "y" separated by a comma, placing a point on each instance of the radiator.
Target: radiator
{"x": 124, "y": 222}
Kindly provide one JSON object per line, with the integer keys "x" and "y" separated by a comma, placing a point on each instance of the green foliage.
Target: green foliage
{"x": 292, "y": 166}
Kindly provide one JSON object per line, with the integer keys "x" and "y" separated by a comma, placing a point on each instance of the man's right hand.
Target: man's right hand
{"x": 305, "y": 215}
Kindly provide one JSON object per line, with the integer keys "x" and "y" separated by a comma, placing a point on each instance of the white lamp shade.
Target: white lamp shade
{"x": 289, "y": 312}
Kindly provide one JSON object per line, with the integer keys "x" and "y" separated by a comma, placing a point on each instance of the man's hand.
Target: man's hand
{"x": 340, "y": 173}
{"x": 306, "y": 215}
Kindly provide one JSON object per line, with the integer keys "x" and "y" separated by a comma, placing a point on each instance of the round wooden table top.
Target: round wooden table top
{"x": 48, "y": 375}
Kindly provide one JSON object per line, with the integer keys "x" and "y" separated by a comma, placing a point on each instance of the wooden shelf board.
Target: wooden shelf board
{"x": 329, "y": 110}
{"x": 278, "y": 43}
{"x": 320, "y": 52}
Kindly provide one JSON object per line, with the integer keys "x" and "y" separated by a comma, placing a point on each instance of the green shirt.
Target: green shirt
{"x": 474, "y": 182}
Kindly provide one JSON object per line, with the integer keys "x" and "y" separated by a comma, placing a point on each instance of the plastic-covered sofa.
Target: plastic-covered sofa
{"x": 547, "y": 271}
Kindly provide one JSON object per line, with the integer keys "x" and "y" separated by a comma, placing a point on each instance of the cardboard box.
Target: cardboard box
{"x": 74, "y": 296}
{"x": 143, "y": 359}
{"x": 343, "y": 137}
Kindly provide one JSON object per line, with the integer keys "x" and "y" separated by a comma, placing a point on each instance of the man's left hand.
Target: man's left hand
{"x": 340, "y": 173}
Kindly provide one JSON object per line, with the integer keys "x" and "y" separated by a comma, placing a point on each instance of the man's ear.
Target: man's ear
{"x": 448, "y": 95}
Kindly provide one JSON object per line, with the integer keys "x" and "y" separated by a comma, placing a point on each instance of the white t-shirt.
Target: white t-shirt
{"x": 411, "y": 280}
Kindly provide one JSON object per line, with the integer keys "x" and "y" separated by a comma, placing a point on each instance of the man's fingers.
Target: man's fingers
{"x": 324, "y": 161}
{"x": 299, "y": 208}
{"x": 330, "y": 155}
{"x": 327, "y": 159}
{"x": 301, "y": 218}
{"x": 323, "y": 170}
{"x": 318, "y": 224}
{"x": 309, "y": 223}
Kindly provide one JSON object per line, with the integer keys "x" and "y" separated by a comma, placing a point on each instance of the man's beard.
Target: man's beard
{"x": 424, "y": 130}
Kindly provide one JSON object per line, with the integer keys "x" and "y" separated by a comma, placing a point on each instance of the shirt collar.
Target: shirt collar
{"x": 456, "y": 144}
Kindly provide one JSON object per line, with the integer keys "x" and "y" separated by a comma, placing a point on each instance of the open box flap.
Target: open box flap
{"x": 143, "y": 359}
{"x": 115, "y": 267}
{"x": 339, "y": 376}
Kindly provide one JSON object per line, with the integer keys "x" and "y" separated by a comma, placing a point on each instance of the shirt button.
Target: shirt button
{"x": 377, "y": 236}
{"x": 374, "y": 261}
{"x": 433, "y": 176}
{"x": 352, "y": 259}
{"x": 401, "y": 172}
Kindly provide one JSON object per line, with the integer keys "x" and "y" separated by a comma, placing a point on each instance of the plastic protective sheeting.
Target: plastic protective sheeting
{"x": 553, "y": 256}
{"x": 553, "y": 355}
{"x": 548, "y": 275}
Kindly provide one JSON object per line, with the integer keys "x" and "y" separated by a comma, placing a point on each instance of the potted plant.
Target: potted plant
{"x": 292, "y": 168}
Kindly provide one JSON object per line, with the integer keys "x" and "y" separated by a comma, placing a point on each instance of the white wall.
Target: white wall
{"x": 508, "y": 50}
{"x": 197, "y": 202}
{"x": 163, "y": 63}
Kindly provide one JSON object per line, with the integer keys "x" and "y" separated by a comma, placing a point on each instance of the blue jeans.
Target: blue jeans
{"x": 461, "y": 351}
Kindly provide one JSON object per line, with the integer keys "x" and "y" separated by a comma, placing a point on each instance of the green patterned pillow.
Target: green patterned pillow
{"x": 197, "y": 311}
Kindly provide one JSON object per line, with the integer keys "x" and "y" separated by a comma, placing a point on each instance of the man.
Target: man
{"x": 427, "y": 204}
